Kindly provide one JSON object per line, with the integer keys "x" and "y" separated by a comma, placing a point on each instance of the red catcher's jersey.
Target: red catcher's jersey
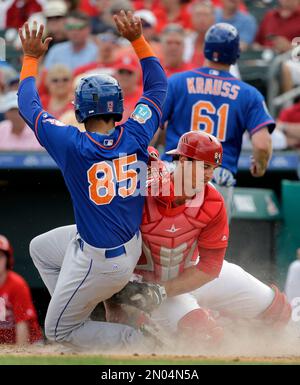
{"x": 172, "y": 236}
{"x": 19, "y": 308}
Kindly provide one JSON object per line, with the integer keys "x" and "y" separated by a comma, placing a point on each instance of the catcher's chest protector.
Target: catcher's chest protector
{"x": 170, "y": 238}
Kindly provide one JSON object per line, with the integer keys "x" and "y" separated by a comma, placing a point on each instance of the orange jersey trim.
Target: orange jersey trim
{"x": 29, "y": 67}
{"x": 36, "y": 124}
{"x": 142, "y": 48}
{"x": 151, "y": 101}
{"x": 100, "y": 145}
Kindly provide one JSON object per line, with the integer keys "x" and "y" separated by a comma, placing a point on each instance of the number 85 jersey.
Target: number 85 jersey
{"x": 217, "y": 103}
{"x": 103, "y": 173}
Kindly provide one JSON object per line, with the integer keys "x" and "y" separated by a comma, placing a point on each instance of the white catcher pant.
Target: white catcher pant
{"x": 78, "y": 280}
{"x": 235, "y": 294}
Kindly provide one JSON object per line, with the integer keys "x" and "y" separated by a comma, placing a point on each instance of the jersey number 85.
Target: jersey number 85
{"x": 103, "y": 176}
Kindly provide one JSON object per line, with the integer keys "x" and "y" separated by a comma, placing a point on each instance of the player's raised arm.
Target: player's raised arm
{"x": 33, "y": 49}
{"x": 154, "y": 77}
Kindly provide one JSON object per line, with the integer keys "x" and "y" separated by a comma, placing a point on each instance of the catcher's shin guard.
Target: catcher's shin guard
{"x": 200, "y": 325}
{"x": 279, "y": 312}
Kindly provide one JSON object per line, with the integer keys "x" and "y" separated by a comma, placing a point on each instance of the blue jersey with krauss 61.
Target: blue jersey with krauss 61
{"x": 217, "y": 103}
{"x": 102, "y": 172}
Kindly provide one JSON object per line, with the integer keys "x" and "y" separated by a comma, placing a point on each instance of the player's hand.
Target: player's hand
{"x": 223, "y": 177}
{"x": 143, "y": 295}
{"x": 257, "y": 169}
{"x": 32, "y": 42}
{"x": 129, "y": 26}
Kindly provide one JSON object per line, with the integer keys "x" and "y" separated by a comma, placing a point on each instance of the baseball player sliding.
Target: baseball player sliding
{"x": 85, "y": 267}
{"x": 184, "y": 244}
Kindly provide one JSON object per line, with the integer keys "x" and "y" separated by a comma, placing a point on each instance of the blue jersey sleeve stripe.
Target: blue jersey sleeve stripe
{"x": 262, "y": 125}
{"x": 106, "y": 148}
{"x": 151, "y": 101}
{"x": 214, "y": 76}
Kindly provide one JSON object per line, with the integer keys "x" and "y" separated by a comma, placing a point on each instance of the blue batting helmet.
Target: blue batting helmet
{"x": 222, "y": 44}
{"x": 98, "y": 95}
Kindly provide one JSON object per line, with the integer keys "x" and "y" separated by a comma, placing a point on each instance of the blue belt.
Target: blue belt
{"x": 110, "y": 253}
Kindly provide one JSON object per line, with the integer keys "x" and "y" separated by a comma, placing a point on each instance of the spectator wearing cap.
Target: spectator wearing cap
{"x": 18, "y": 318}
{"x": 55, "y": 12}
{"x": 108, "y": 51}
{"x": 202, "y": 18}
{"x": 127, "y": 72}
{"x": 59, "y": 82}
{"x": 149, "y": 23}
{"x": 243, "y": 22}
{"x": 172, "y": 41}
{"x": 15, "y": 135}
{"x": 79, "y": 49}
{"x": 279, "y": 26}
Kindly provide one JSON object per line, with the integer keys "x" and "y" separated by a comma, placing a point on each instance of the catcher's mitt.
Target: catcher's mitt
{"x": 143, "y": 295}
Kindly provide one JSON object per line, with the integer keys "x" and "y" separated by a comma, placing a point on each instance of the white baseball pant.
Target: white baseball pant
{"x": 235, "y": 294}
{"x": 78, "y": 277}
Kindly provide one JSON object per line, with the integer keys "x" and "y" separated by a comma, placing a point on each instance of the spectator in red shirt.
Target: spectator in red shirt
{"x": 18, "y": 323}
{"x": 59, "y": 82}
{"x": 20, "y": 11}
{"x": 280, "y": 26}
{"x": 128, "y": 74}
{"x": 172, "y": 40}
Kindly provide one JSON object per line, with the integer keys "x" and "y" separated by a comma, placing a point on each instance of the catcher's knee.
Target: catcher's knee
{"x": 278, "y": 314}
{"x": 199, "y": 323}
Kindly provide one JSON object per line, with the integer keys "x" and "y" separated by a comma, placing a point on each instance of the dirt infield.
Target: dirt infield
{"x": 58, "y": 355}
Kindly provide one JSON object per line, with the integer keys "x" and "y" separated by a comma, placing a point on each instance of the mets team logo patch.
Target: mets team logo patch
{"x": 141, "y": 113}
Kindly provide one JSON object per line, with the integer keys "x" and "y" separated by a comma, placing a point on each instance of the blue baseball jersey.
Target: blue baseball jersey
{"x": 218, "y": 103}
{"x": 102, "y": 172}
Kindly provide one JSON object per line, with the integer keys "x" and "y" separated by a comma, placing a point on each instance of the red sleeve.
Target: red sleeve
{"x": 22, "y": 303}
{"x": 211, "y": 261}
{"x": 215, "y": 234}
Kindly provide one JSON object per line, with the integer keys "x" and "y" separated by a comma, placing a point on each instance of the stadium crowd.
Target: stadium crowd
{"x": 85, "y": 41}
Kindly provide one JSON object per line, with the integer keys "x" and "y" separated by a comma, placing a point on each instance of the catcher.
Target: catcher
{"x": 184, "y": 244}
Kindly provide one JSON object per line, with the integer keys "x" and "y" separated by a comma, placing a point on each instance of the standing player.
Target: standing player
{"x": 184, "y": 244}
{"x": 99, "y": 170}
{"x": 212, "y": 100}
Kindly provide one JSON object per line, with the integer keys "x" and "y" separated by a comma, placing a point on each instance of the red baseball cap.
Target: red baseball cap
{"x": 128, "y": 63}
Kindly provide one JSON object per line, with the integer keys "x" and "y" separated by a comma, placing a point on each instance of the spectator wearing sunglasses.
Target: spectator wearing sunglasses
{"x": 79, "y": 49}
{"x": 60, "y": 90}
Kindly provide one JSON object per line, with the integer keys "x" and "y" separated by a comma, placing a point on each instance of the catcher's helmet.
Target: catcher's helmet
{"x": 98, "y": 95}
{"x": 6, "y": 247}
{"x": 222, "y": 43}
{"x": 200, "y": 146}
